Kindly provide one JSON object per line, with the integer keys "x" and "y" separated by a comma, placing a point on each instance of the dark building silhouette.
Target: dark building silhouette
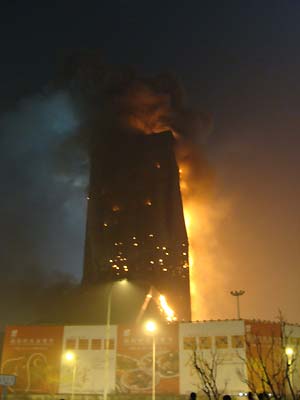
{"x": 135, "y": 224}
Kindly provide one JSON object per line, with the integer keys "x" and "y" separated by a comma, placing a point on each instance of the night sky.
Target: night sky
{"x": 238, "y": 60}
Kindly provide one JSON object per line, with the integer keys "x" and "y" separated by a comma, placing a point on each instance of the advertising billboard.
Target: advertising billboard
{"x": 134, "y": 360}
{"x": 33, "y": 355}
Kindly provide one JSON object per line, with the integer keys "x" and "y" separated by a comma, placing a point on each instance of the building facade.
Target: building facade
{"x": 36, "y": 354}
{"x": 135, "y": 223}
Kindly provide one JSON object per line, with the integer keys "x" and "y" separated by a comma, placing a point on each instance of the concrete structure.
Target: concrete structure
{"x": 36, "y": 355}
{"x": 135, "y": 224}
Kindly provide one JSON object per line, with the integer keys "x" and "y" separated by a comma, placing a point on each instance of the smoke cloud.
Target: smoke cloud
{"x": 42, "y": 207}
{"x": 147, "y": 105}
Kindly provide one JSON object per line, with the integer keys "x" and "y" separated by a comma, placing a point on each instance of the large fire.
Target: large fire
{"x": 190, "y": 218}
{"x": 197, "y": 215}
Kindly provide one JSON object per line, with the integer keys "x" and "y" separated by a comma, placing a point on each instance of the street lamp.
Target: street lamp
{"x": 107, "y": 337}
{"x": 70, "y": 357}
{"x": 289, "y": 351}
{"x": 151, "y": 328}
{"x": 237, "y": 294}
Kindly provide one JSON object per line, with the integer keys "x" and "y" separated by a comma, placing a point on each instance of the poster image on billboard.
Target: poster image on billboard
{"x": 134, "y": 360}
{"x": 32, "y": 354}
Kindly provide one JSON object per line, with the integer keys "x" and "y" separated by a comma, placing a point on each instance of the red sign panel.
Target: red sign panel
{"x": 33, "y": 354}
{"x": 134, "y": 360}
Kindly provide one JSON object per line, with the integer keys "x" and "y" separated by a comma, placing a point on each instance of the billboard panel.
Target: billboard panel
{"x": 134, "y": 360}
{"x": 218, "y": 342}
{"x": 33, "y": 354}
{"x": 86, "y": 372}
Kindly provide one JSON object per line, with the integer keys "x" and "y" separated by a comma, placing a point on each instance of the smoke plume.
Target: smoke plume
{"x": 150, "y": 105}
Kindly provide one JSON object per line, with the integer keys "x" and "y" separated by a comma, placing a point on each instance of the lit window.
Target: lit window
{"x": 151, "y": 262}
{"x": 133, "y": 237}
{"x": 116, "y": 244}
{"x": 135, "y": 244}
{"x": 88, "y": 198}
{"x": 110, "y": 261}
{"x": 105, "y": 224}
{"x": 164, "y": 248}
{"x": 161, "y": 260}
{"x": 157, "y": 247}
{"x": 184, "y": 254}
{"x": 151, "y": 235}
{"x": 165, "y": 269}
{"x": 115, "y": 208}
{"x": 167, "y": 254}
{"x": 148, "y": 203}
{"x": 157, "y": 165}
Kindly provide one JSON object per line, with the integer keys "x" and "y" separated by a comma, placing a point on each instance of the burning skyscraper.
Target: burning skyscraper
{"x": 135, "y": 223}
{"x": 135, "y": 220}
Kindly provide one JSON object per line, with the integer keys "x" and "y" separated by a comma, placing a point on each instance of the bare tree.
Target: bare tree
{"x": 268, "y": 363}
{"x": 207, "y": 370}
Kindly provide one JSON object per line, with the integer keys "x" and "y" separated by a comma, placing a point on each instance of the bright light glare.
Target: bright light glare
{"x": 150, "y": 326}
{"x": 69, "y": 356}
{"x": 170, "y": 315}
{"x": 289, "y": 351}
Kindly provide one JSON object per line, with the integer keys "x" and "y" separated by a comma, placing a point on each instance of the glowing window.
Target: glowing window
{"x": 237, "y": 342}
{"x": 221, "y": 342}
{"x": 115, "y": 208}
{"x": 204, "y": 342}
{"x": 83, "y": 344}
{"x": 71, "y": 344}
{"x": 96, "y": 344}
{"x": 189, "y": 343}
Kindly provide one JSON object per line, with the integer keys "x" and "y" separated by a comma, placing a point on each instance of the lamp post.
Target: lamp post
{"x": 70, "y": 356}
{"x": 107, "y": 338}
{"x": 151, "y": 328}
{"x": 289, "y": 351}
{"x": 237, "y": 294}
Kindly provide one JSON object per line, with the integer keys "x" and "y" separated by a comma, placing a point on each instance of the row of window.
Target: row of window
{"x": 208, "y": 342}
{"x": 88, "y": 344}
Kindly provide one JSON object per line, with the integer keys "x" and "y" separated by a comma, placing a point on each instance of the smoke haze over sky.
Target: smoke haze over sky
{"x": 239, "y": 61}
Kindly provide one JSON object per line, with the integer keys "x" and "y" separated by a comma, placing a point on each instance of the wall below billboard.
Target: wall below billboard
{"x": 221, "y": 341}
{"x": 86, "y": 373}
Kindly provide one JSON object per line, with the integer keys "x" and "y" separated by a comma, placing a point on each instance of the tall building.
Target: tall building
{"x": 135, "y": 223}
